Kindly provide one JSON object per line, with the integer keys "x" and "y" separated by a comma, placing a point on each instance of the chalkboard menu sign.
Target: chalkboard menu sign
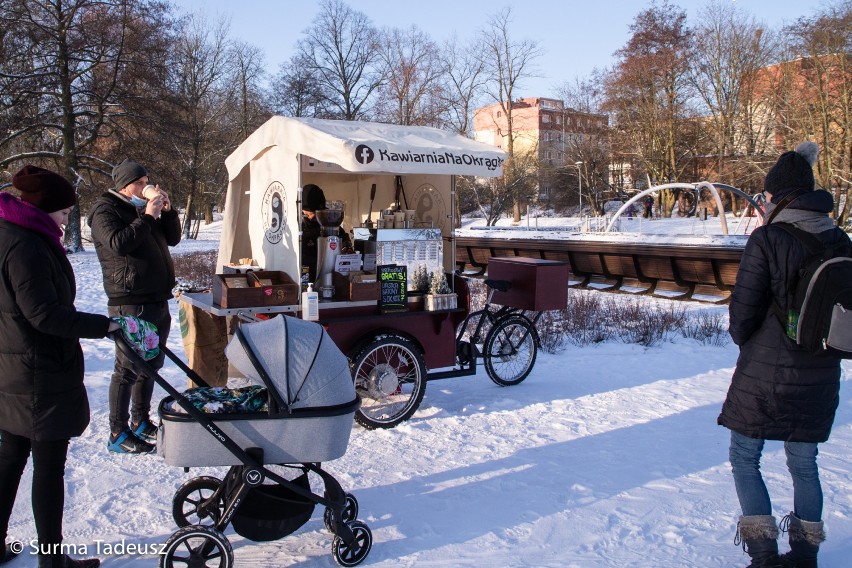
{"x": 393, "y": 282}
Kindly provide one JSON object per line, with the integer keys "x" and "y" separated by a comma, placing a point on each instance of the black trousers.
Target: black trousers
{"x": 48, "y": 493}
{"x": 126, "y": 385}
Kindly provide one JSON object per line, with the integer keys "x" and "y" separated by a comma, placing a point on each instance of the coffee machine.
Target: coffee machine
{"x": 328, "y": 248}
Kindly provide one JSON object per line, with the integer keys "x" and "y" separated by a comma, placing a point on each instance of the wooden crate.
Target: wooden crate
{"x": 255, "y": 289}
{"x": 345, "y": 289}
{"x": 537, "y": 284}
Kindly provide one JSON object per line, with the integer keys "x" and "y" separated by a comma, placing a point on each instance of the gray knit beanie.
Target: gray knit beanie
{"x": 126, "y": 173}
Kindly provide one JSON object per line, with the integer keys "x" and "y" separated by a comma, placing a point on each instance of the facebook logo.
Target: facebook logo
{"x": 364, "y": 154}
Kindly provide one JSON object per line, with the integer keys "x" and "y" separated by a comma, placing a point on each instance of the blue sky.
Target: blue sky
{"x": 576, "y": 37}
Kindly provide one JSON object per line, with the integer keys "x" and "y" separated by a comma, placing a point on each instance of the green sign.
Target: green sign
{"x": 393, "y": 282}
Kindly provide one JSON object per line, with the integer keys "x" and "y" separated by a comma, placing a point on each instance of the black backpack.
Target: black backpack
{"x": 819, "y": 315}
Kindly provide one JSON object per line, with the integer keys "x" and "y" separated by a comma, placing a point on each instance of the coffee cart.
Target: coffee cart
{"x": 396, "y": 188}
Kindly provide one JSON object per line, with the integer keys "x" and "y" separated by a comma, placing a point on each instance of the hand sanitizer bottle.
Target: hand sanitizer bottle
{"x": 310, "y": 304}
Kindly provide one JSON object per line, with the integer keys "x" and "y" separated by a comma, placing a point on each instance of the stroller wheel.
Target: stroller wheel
{"x": 192, "y": 506}
{"x": 197, "y": 545}
{"x": 354, "y": 553}
{"x": 350, "y": 513}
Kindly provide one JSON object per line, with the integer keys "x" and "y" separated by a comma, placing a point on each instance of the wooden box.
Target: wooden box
{"x": 255, "y": 289}
{"x": 537, "y": 284}
{"x": 354, "y": 291}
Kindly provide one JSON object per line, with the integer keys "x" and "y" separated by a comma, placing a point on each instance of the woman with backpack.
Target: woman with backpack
{"x": 780, "y": 391}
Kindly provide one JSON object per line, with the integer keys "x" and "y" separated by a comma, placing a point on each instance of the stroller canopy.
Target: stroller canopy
{"x": 304, "y": 366}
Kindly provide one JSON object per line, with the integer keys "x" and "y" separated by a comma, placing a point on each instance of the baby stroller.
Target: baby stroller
{"x": 301, "y": 416}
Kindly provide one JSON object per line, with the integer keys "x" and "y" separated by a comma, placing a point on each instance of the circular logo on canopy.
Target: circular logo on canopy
{"x": 430, "y": 207}
{"x": 364, "y": 154}
{"x": 274, "y": 212}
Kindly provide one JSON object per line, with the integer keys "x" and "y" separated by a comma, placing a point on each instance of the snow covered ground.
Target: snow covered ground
{"x": 606, "y": 456}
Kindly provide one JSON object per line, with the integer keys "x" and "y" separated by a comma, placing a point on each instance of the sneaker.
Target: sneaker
{"x": 128, "y": 443}
{"x": 145, "y": 430}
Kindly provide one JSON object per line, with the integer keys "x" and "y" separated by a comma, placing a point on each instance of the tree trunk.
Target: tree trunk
{"x": 187, "y": 219}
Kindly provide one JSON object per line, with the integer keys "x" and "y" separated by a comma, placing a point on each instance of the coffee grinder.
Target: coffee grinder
{"x": 328, "y": 248}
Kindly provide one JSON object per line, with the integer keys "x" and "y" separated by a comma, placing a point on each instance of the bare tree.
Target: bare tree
{"x": 648, "y": 92}
{"x": 494, "y": 196}
{"x": 296, "y": 92}
{"x": 412, "y": 91}
{"x": 68, "y": 69}
{"x": 508, "y": 63}
{"x": 729, "y": 50}
{"x": 589, "y": 144}
{"x": 341, "y": 50}
{"x": 202, "y": 82}
{"x": 248, "y": 72}
{"x": 464, "y": 79}
{"x": 819, "y": 101}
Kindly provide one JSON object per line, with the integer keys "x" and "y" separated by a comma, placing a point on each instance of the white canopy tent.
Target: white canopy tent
{"x": 266, "y": 172}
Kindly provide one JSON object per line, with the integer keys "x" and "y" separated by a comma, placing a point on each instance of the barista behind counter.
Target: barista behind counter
{"x": 313, "y": 199}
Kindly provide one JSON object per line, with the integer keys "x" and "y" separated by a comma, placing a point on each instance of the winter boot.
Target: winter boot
{"x": 805, "y": 538}
{"x": 65, "y": 561}
{"x": 10, "y": 551}
{"x": 759, "y": 537}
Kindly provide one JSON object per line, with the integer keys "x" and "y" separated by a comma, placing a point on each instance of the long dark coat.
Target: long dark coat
{"x": 779, "y": 391}
{"x": 42, "y": 396}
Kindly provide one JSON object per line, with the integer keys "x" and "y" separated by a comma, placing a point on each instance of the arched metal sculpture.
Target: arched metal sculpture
{"x": 696, "y": 187}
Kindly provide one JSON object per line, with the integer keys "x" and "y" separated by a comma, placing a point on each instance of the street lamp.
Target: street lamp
{"x": 580, "y": 185}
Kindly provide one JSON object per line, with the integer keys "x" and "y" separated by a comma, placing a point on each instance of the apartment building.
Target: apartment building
{"x": 541, "y": 124}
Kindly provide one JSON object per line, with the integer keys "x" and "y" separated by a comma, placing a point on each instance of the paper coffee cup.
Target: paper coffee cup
{"x": 399, "y": 220}
{"x": 150, "y": 192}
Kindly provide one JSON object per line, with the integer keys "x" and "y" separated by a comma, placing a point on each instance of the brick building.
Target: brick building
{"x": 539, "y": 123}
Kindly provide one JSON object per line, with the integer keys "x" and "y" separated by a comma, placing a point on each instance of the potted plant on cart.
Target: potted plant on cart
{"x": 440, "y": 297}
{"x": 419, "y": 287}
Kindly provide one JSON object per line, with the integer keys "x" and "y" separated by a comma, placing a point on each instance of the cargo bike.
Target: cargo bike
{"x": 394, "y": 355}
{"x": 273, "y": 436}
{"x": 393, "y": 189}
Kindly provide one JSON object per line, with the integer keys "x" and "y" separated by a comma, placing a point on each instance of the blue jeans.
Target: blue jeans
{"x": 754, "y": 499}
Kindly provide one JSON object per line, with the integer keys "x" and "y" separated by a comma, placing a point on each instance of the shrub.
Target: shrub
{"x": 594, "y": 317}
{"x": 194, "y": 271}
{"x": 708, "y": 328}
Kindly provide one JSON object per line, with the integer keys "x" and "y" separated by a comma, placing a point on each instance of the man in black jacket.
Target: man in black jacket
{"x": 132, "y": 236}
{"x": 779, "y": 390}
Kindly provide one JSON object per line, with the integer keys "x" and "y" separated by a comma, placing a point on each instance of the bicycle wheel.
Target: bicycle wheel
{"x": 510, "y": 350}
{"x": 390, "y": 377}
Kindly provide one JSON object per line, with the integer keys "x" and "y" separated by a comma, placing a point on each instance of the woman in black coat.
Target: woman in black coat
{"x": 779, "y": 390}
{"x": 43, "y": 401}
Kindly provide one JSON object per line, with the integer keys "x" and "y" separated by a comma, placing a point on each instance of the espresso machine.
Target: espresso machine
{"x": 328, "y": 249}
